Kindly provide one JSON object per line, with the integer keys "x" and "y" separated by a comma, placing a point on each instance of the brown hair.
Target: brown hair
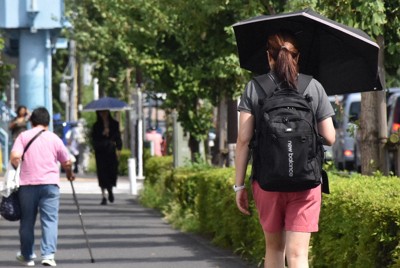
{"x": 282, "y": 47}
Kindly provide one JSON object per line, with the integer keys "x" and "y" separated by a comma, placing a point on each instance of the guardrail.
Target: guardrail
{"x": 6, "y": 114}
{"x": 4, "y": 148}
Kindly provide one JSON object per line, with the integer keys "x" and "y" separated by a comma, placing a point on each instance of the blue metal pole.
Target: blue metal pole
{"x": 35, "y": 69}
{"x": 48, "y": 79}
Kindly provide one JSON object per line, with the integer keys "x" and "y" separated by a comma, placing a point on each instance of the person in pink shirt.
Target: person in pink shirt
{"x": 39, "y": 186}
{"x": 156, "y": 138}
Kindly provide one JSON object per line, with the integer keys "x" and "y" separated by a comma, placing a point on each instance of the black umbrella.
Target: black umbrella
{"x": 106, "y": 103}
{"x": 342, "y": 58}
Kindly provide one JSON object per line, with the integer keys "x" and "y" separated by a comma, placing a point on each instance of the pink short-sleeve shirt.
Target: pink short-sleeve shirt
{"x": 40, "y": 165}
{"x": 157, "y": 139}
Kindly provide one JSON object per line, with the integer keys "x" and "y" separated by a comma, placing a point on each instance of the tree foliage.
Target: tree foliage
{"x": 5, "y": 70}
{"x": 103, "y": 36}
{"x": 187, "y": 48}
{"x": 376, "y": 18}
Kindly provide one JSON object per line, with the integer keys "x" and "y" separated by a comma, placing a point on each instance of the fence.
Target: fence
{"x": 6, "y": 114}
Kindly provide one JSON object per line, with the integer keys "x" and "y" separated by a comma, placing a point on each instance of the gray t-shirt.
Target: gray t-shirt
{"x": 321, "y": 105}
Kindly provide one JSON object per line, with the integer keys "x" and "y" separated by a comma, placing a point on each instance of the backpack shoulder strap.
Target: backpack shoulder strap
{"x": 269, "y": 85}
{"x": 266, "y": 82}
{"x": 303, "y": 82}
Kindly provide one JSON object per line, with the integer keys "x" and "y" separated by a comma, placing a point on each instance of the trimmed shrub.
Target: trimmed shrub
{"x": 123, "y": 162}
{"x": 359, "y": 222}
{"x": 157, "y": 171}
{"x": 200, "y": 199}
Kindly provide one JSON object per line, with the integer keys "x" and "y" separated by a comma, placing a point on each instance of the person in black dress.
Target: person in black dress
{"x": 107, "y": 145}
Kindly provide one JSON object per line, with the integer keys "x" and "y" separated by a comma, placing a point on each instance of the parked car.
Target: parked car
{"x": 393, "y": 114}
{"x": 345, "y": 152}
{"x": 335, "y": 101}
{"x": 392, "y": 90}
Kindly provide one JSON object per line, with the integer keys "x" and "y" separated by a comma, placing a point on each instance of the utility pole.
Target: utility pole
{"x": 12, "y": 94}
{"x": 73, "y": 82}
{"x": 382, "y": 112}
{"x": 36, "y": 25}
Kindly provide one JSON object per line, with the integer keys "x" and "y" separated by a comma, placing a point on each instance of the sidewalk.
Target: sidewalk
{"x": 122, "y": 234}
{"x": 87, "y": 184}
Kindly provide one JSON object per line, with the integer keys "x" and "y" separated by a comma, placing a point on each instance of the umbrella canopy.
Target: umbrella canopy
{"x": 342, "y": 58}
{"x": 106, "y": 103}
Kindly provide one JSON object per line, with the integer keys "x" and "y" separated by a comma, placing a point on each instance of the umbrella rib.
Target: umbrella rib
{"x": 311, "y": 16}
{"x": 332, "y": 25}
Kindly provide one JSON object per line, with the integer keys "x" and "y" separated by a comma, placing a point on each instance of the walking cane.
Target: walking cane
{"x": 83, "y": 227}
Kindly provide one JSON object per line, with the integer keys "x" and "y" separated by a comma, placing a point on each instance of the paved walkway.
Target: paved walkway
{"x": 122, "y": 234}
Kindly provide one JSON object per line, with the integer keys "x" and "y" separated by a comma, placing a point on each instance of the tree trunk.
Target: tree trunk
{"x": 369, "y": 133}
{"x": 373, "y": 125}
{"x": 194, "y": 146}
{"x": 222, "y": 132}
{"x": 128, "y": 119}
{"x": 232, "y": 131}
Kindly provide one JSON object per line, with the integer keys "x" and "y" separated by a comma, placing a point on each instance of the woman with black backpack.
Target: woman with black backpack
{"x": 287, "y": 217}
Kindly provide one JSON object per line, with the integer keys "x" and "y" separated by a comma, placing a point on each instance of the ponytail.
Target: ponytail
{"x": 282, "y": 48}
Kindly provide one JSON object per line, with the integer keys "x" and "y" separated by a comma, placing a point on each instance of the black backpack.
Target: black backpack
{"x": 287, "y": 150}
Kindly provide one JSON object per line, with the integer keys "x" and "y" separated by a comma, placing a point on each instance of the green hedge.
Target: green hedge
{"x": 359, "y": 224}
{"x": 123, "y": 162}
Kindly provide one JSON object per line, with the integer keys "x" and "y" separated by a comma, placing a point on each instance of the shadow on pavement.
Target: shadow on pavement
{"x": 123, "y": 234}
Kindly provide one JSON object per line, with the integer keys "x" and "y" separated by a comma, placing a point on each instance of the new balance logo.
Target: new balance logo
{"x": 290, "y": 158}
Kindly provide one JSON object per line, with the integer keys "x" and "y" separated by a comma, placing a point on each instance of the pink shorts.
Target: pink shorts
{"x": 291, "y": 211}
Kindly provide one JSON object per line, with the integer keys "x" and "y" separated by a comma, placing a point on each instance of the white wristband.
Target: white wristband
{"x": 238, "y": 188}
